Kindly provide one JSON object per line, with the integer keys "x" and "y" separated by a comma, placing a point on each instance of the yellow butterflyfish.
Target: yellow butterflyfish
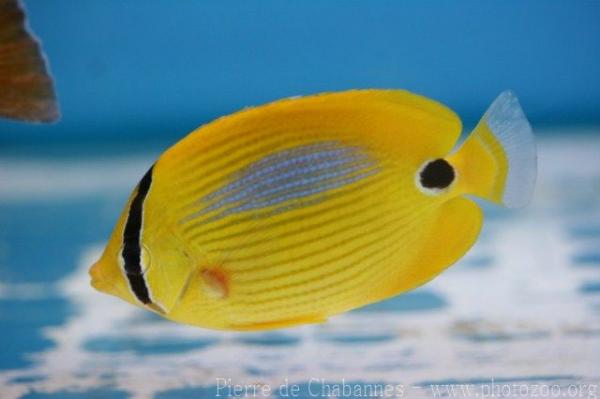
{"x": 303, "y": 208}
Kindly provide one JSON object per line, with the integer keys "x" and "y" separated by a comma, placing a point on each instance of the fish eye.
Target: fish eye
{"x": 435, "y": 176}
{"x": 145, "y": 258}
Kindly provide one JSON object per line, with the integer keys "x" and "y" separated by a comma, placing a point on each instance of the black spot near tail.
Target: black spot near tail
{"x": 437, "y": 174}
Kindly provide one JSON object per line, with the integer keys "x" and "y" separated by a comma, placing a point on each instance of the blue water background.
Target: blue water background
{"x": 157, "y": 69}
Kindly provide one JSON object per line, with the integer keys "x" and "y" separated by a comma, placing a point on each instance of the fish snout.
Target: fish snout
{"x": 98, "y": 280}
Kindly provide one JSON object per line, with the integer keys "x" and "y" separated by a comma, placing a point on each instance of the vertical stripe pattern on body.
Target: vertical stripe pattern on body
{"x": 132, "y": 245}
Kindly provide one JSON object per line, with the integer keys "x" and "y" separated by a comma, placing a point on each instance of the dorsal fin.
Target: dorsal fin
{"x": 26, "y": 88}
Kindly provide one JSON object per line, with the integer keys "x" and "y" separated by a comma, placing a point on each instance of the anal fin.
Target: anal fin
{"x": 454, "y": 228}
{"x": 283, "y": 323}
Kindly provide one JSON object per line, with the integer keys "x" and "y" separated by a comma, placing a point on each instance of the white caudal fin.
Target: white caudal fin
{"x": 506, "y": 120}
{"x": 499, "y": 157}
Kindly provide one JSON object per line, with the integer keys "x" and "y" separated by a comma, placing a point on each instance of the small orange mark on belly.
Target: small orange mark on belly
{"x": 216, "y": 282}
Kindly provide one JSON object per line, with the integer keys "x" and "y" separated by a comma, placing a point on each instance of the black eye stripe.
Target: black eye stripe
{"x": 437, "y": 174}
{"x": 132, "y": 252}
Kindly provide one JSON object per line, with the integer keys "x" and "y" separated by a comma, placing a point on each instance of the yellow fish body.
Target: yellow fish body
{"x": 304, "y": 208}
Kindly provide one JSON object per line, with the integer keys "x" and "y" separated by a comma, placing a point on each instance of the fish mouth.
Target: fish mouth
{"x": 99, "y": 281}
{"x": 96, "y": 277}
{"x": 105, "y": 284}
